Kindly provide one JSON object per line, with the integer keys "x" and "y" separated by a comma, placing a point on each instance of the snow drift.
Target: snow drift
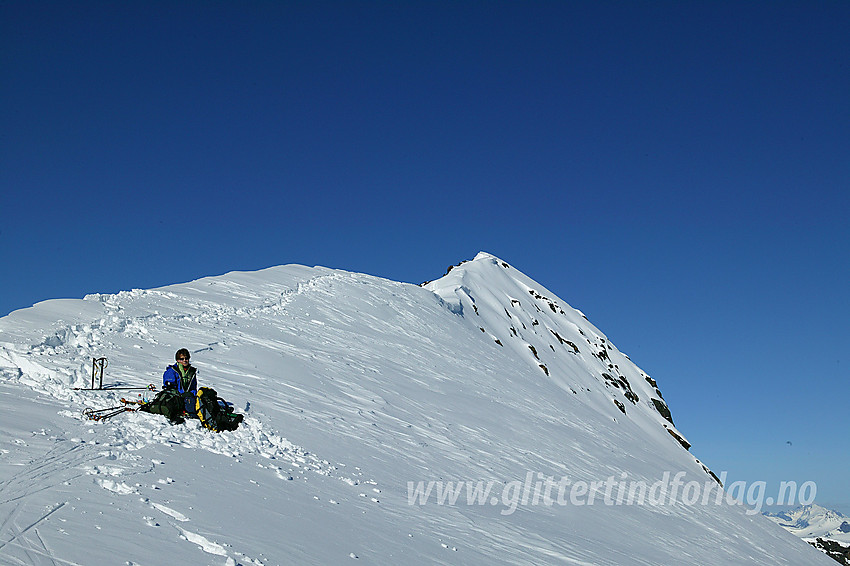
{"x": 377, "y": 414}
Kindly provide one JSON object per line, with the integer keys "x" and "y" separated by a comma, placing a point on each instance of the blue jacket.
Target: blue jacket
{"x": 171, "y": 378}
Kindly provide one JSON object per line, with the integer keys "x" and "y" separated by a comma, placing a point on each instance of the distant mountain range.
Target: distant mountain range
{"x": 823, "y": 528}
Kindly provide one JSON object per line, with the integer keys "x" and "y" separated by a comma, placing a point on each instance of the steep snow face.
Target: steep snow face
{"x": 363, "y": 398}
{"x": 535, "y": 326}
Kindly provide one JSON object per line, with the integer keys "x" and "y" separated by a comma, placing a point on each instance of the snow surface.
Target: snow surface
{"x": 352, "y": 386}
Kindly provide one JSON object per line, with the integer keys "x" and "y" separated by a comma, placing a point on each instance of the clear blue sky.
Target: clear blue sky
{"x": 679, "y": 171}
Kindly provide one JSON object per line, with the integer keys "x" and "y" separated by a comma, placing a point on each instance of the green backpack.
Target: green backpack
{"x": 168, "y": 403}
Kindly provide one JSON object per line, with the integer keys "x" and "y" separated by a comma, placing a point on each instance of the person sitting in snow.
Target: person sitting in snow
{"x": 180, "y": 397}
{"x": 182, "y": 376}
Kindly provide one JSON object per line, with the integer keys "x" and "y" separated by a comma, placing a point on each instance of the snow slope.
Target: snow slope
{"x": 354, "y": 389}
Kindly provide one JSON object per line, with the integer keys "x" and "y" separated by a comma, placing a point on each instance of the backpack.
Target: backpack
{"x": 215, "y": 414}
{"x": 168, "y": 403}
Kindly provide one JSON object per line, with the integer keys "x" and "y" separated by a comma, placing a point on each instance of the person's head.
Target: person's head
{"x": 182, "y": 356}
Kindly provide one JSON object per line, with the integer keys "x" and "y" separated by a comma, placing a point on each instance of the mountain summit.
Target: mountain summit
{"x": 810, "y": 521}
{"x": 477, "y": 419}
{"x": 535, "y": 326}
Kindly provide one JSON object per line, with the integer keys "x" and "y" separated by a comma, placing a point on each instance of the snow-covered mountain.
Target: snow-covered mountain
{"x": 477, "y": 419}
{"x": 810, "y": 521}
{"x": 823, "y": 528}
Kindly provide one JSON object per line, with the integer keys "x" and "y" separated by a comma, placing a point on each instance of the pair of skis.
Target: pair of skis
{"x": 97, "y": 369}
{"x": 149, "y": 387}
{"x": 98, "y": 366}
{"x": 127, "y": 405}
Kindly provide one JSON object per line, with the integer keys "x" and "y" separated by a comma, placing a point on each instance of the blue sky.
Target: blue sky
{"x": 679, "y": 171}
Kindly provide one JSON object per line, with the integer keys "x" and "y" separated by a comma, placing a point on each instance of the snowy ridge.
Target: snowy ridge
{"x": 353, "y": 388}
{"x": 518, "y": 314}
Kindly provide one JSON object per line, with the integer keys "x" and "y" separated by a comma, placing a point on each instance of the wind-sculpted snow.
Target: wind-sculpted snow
{"x": 354, "y": 389}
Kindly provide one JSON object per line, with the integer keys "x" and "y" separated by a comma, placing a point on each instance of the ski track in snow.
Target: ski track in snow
{"x": 61, "y": 361}
{"x": 86, "y": 341}
{"x": 30, "y": 545}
